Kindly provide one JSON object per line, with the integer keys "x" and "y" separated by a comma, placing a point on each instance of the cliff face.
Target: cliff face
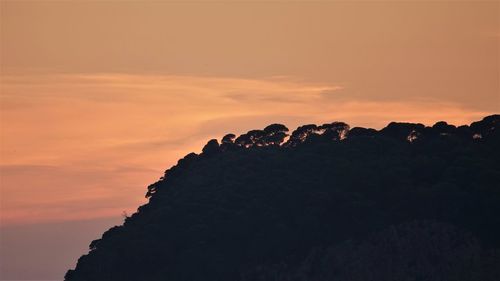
{"x": 407, "y": 202}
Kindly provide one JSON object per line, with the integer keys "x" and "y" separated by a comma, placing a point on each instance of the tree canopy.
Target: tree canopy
{"x": 327, "y": 202}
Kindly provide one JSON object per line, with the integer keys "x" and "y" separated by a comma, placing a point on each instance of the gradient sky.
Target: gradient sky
{"x": 99, "y": 98}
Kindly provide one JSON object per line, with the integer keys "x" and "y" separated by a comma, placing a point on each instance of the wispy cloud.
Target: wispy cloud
{"x": 76, "y": 146}
{"x": 36, "y": 193}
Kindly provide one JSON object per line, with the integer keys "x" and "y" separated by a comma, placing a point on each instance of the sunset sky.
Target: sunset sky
{"x": 99, "y": 98}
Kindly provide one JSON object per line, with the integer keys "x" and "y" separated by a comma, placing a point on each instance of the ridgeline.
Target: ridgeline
{"x": 330, "y": 202}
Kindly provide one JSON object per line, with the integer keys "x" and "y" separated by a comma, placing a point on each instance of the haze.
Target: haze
{"x": 98, "y": 98}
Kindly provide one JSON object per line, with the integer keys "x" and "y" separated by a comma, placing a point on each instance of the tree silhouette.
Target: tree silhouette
{"x": 275, "y": 134}
{"x": 407, "y": 202}
{"x": 301, "y": 134}
{"x": 212, "y": 147}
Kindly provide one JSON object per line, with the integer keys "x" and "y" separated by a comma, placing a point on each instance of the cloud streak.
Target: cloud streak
{"x": 79, "y": 146}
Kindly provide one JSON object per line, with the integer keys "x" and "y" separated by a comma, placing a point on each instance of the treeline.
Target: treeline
{"x": 328, "y": 202}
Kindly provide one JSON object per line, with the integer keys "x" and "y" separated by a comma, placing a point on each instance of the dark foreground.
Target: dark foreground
{"x": 407, "y": 202}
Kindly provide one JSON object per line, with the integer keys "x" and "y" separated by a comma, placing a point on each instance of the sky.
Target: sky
{"x": 98, "y": 98}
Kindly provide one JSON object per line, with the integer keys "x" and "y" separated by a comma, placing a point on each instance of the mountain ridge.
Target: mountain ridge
{"x": 311, "y": 205}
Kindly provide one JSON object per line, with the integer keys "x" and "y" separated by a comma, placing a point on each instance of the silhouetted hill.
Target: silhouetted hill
{"x": 408, "y": 202}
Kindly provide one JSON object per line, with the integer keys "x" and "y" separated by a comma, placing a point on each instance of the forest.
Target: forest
{"x": 408, "y": 202}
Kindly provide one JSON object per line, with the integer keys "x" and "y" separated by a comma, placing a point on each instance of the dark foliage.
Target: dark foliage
{"x": 408, "y": 202}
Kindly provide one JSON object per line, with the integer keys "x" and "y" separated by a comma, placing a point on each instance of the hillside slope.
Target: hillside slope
{"x": 407, "y": 202}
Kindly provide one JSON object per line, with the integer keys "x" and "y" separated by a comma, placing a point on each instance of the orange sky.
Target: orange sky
{"x": 99, "y": 98}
